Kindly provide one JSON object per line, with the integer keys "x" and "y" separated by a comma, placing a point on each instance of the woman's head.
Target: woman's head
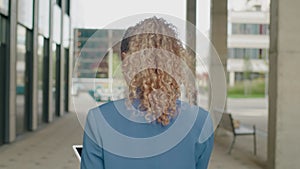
{"x": 152, "y": 66}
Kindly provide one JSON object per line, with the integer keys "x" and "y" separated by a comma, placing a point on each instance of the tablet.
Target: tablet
{"x": 77, "y": 150}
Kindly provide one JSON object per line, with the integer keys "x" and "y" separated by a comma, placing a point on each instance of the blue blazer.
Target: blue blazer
{"x": 113, "y": 139}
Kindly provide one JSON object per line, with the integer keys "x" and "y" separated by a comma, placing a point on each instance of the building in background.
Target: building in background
{"x": 92, "y": 45}
{"x": 97, "y": 56}
{"x": 34, "y": 70}
{"x": 248, "y": 39}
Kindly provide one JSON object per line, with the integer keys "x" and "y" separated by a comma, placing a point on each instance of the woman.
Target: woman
{"x": 151, "y": 128}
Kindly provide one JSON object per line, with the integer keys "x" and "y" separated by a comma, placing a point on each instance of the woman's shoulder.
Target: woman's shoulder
{"x": 203, "y": 123}
{"x": 107, "y": 105}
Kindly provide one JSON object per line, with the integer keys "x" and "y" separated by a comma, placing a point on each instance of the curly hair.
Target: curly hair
{"x": 152, "y": 64}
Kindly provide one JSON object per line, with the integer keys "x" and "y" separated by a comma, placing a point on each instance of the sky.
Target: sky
{"x": 100, "y": 13}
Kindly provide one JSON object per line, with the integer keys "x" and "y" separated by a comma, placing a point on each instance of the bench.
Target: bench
{"x": 227, "y": 123}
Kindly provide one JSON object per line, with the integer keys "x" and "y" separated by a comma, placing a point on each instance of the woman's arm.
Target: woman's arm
{"x": 204, "y": 144}
{"x": 204, "y": 152}
{"x": 92, "y": 153}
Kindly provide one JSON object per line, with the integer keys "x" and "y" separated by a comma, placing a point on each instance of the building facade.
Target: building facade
{"x": 97, "y": 57}
{"x": 248, "y": 39}
{"x": 34, "y": 70}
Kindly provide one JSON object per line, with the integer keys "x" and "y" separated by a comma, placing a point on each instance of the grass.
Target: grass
{"x": 240, "y": 96}
{"x": 256, "y": 89}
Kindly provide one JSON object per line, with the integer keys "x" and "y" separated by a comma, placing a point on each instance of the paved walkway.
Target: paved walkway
{"x": 51, "y": 147}
{"x": 250, "y": 111}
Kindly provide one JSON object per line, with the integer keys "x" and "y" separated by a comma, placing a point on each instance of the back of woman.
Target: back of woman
{"x": 152, "y": 127}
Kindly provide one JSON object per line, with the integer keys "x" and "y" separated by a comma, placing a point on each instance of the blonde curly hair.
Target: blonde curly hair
{"x": 153, "y": 62}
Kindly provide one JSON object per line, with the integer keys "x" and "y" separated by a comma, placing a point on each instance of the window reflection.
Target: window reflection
{"x": 3, "y": 56}
{"x": 40, "y": 78}
{"x": 250, "y": 29}
{"x": 20, "y": 79}
{"x": 54, "y": 77}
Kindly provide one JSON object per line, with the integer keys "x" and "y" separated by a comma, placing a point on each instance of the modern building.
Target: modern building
{"x": 34, "y": 70}
{"x": 97, "y": 56}
{"x": 248, "y": 38}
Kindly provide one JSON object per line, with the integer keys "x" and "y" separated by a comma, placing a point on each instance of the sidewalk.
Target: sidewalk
{"x": 51, "y": 147}
{"x": 241, "y": 157}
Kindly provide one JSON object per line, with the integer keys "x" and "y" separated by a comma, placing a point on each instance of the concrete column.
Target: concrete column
{"x": 50, "y": 94}
{"x": 218, "y": 36}
{"x": 191, "y": 13}
{"x": 34, "y": 111}
{"x": 219, "y": 28}
{"x": 62, "y": 61}
{"x": 11, "y": 82}
{"x": 284, "y": 86}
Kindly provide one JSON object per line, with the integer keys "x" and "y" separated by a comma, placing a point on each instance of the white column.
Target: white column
{"x": 11, "y": 134}
{"x": 50, "y": 62}
{"x": 191, "y": 15}
{"x": 284, "y": 86}
{"x": 34, "y": 111}
{"x": 219, "y": 28}
{"x": 218, "y": 36}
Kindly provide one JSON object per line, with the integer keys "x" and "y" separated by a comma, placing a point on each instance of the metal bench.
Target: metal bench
{"x": 227, "y": 123}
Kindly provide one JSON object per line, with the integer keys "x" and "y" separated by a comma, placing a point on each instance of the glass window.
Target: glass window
{"x": 3, "y": 56}
{"x": 91, "y": 46}
{"x": 21, "y": 80}
{"x": 58, "y": 2}
{"x": 56, "y": 79}
{"x": 102, "y": 70}
{"x": 40, "y": 78}
{"x": 242, "y": 53}
{"x": 94, "y": 33}
{"x": 4, "y": 6}
{"x": 240, "y": 76}
{"x": 54, "y": 87}
{"x": 117, "y": 72}
{"x": 3, "y": 25}
{"x": 25, "y": 13}
{"x": 44, "y": 17}
{"x": 66, "y": 80}
{"x": 56, "y": 24}
{"x": 67, "y": 7}
{"x": 251, "y": 29}
{"x": 66, "y": 31}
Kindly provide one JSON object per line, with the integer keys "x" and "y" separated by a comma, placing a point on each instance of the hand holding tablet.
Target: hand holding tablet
{"x": 77, "y": 150}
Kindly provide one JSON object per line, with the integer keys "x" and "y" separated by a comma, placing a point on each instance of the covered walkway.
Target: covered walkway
{"x": 51, "y": 147}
